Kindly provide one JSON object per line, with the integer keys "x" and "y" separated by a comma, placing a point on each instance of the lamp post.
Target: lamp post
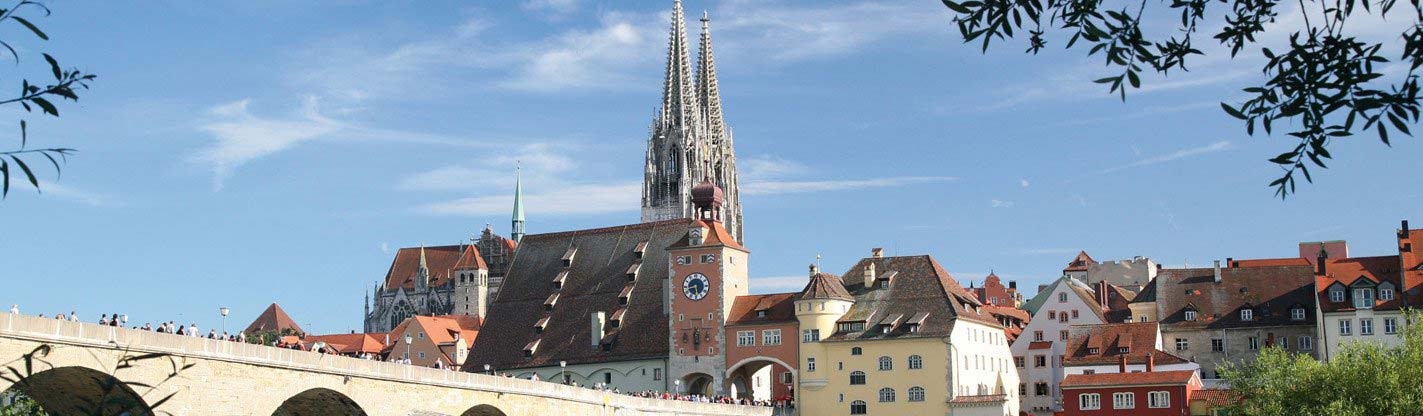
{"x": 563, "y": 371}
{"x": 487, "y": 370}
{"x": 123, "y": 319}
{"x": 224, "y": 311}
{"x": 408, "y": 340}
{"x": 676, "y": 386}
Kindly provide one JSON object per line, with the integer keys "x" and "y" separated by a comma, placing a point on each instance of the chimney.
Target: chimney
{"x": 814, "y": 269}
{"x": 1320, "y": 263}
{"x": 1217, "y": 271}
{"x": 1013, "y": 284}
{"x": 1230, "y": 262}
{"x": 1102, "y": 294}
{"x": 595, "y": 324}
{"x": 870, "y": 274}
{"x": 877, "y": 252}
{"x": 1122, "y": 363}
{"x": 1150, "y": 362}
{"x": 1404, "y": 231}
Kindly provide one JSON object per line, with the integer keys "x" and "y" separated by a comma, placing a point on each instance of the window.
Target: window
{"x": 1254, "y": 343}
{"x": 856, "y": 351}
{"x": 1306, "y": 343}
{"x": 607, "y": 378}
{"x": 1217, "y": 345}
{"x": 1247, "y": 314}
{"x": 1181, "y": 344}
{"x": 916, "y": 394}
{"x": 657, "y": 374}
{"x": 1051, "y": 314}
{"x": 745, "y": 338}
{"x": 1390, "y": 325}
{"x": 771, "y": 337}
{"x": 809, "y": 335}
{"x": 857, "y": 407}
{"x": 1284, "y": 343}
{"x": 1190, "y": 315}
{"x": 857, "y": 378}
{"x": 1346, "y": 327}
{"x": 1123, "y": 400}
{"x": 1385, "y": 293}
{"x": 1089, "y": 401}
{"x": 1062, "y": 317}
{"x": 1062, "y": 297}
{"x": 916, "y": 362}
{"x": 886, "y": 395}
{"x": 1297, "y": 314}
{"x": 1336, "y": 295}
{"x": 684, "y": 259}
{"x": 1037, "y": 335}
{"x": 1364, "y": 298}
{"x": 708, "y": 258}
{"x": 1074, "y": 314}
{"x": 1366, "y": 326}
{"x": 840, "y": 366}
{"x": 1093, "y": 350}
{"x": 810, "y": 365}
{"x": 1062, "y": 334}
{"x": 886, "y": 363}
{"x": 1040, "y": 389}
{"x": 786, "y": 377}
{"x": 1019, "y": 362}
{"x": 1040, "y": 361}
{"x": 1158, "y": 399}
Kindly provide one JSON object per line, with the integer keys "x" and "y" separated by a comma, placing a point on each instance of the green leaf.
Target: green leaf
{"x": 32, "y": 27}
{"x": 28, "y": 174}
{"x": 1232, "y": 111}
{"x": 46, "y": 106}
{"x": 54, "y": 66}
{"x": 956, "y": 7}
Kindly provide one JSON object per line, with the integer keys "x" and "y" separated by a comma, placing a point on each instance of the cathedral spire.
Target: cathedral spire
{"x": 516, "y": 231}
{"x": 679, "y": 100}
{"x": 422, "y": 274}
{"x": 708, "y": 93}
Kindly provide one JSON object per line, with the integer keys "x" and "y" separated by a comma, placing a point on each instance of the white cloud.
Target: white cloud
{"x": 998, "y": 203}
{"x": 241, "y": 136}
{"x": 787, "y": 187}
{"x": 600, "y": 58}
{"x": 1179, "y": 154}
{"x": 586, "y": 199}
{"x": 385, "y": 248}
{"x": 557, "y": 7}
{"x": 539, "y": 161}
{"x": 76, "y": 195}
{"x": 1024, "y": 182}
{"x": 768, "y": 167}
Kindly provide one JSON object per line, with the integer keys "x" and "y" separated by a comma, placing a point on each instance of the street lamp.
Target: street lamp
{"x": 123, "y": 318}
{"x": 677, "y": 386}
{"x": 563, "y": 371}
{"x": 224, "y": 311}
{"x": 487, "y": 371}
{"x": 408, "y": 340}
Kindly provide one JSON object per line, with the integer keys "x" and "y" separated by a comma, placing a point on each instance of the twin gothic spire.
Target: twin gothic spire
{"x": 689, "y": 103}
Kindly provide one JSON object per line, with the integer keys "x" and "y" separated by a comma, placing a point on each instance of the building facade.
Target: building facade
{"x": 689, "y": 140}
{"x": 761, "y": 361}
{"x": 1362, "y": 299}
{"x": 1039, "y": 352}
{"x": 1120, "y": 348}
{"x": 1148, "y": 393}
{"x": 993, "y": 292}
{"x": 435, "y": 341}
{"x": 898, "y": 336}
{"x": 430, "y": 281}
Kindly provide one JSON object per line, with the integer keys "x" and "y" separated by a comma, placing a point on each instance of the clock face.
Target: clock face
{"x": 696, "y": 286}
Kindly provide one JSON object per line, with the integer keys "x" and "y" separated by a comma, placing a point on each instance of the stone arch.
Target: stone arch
{"x": 82, "y": 390}
{"x": 319, "y": 402}
{"x": 739, "y": 378}
{"x": 699, "y": 383}
{"x": 483, "y": 410}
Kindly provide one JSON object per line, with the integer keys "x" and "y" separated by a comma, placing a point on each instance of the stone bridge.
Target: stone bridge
{"x": 82, "y": 368}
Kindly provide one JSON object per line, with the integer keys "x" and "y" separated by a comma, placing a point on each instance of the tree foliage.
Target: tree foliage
{"x": 36, "y": 96}
{"x": 1362, "y": 379}
{"x": 1325, "y": 85}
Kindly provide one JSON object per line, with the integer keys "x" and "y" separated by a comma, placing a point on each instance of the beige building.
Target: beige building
{"x": 435, "y": 341}
{"x": 898, "y": 336}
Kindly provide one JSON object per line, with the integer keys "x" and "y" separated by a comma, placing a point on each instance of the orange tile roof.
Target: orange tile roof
{"x": 350, "y": 343}
{"x": 273, "y": 319}
{"x": 1297, "y": 261}
{"x": 1346, "y": 271}
{"x": 1128, "y": 379}
{"x": 1008, "y": 311}
{"x": 779, "y": 307}
{"x": 1216, "y": 397}
{"x": 441, "y": 260}
{"x": 1138, "y": 337}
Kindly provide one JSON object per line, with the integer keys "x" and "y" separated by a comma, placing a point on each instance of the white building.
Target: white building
{"x": 1039, "y": 352}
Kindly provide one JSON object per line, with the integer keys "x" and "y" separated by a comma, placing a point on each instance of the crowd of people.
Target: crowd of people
{"x": 652, "y": 394}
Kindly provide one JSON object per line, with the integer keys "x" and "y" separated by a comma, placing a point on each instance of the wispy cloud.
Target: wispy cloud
{"x": 1177, "y": 155}
{"x": 73, "y": 194}
{"x": 764, "y": 167}
{"x": 778, "y": 284}
{"x": 788, "y": 187}
{"x": 998, "y": 203}
{"x": 541, "y": 162}
{"x": 1024, "y": 182}
{"x": 241, "y": 136}
{"x": 588, "y": 199}
{"x": 557, "y": 8}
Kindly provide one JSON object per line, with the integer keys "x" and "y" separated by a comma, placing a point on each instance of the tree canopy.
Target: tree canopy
{"x": 1326, "y": 84}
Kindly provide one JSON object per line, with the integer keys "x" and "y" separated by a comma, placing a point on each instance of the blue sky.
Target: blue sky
{"x": 242, "y": 153}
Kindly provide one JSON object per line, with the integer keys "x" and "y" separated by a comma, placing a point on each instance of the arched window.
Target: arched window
{"x": 886, "y": 395}
{"x": 858, "y": 407}
{"x": 857, "y": 378}
{"x": 886, "y": 363}
{"x": 856, "y": 351}
{"x": 916, "y": 362}
{"x": 916, "y": 394}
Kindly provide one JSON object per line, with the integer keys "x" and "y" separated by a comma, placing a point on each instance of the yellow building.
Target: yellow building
{"x": 898, "y": 336}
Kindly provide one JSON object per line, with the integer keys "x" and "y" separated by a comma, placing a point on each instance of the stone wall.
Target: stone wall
{"x": 228, "y": 378}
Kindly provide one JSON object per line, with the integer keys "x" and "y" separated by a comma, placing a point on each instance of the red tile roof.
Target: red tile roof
{"x": 1347, "y": 271}
{"x": 1079, "y": 263}
{"x": 441, "y": 260}
{"x": 920, "y": 285}
{"x": 1297, "y": 261}
{"x": 273, "y": 319}
{"x": 1008, "y": 311}
{"x": 1040, "y": 345}
{"x": 1216, "y": 397}
{"x": 441, "y": 330}
{"x": 350, "y": 344}
{"x": 1075, "y": 381}
{"x": 779, "y": 307}
{"x": 1139, "y": 338}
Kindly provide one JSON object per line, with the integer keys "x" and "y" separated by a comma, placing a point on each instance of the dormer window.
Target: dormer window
{"x": 568, "y": 256}
{"x": 637, "y": 251}
{"x": 548, "y": 303}
{"x": 558, "y": 280}
{"x": 1190, "y": 314}
{"x": 1297, "y": 313}
{"x": 1123, "y": 350}
{"x": 1093, "y": 350}
{"x": 1336, "y": 295}
{"x": 539, "y": 326}
{"x": 1386, "y": 291}
{"x": 617, "y": 319}
{"x": 531, "y": 348}
{"x": 625, "y": 295}
{"x": 1247, "y": 314}
{"x": 1364, "y": 298}
{"x": 632, "y": 271}
{"x": 761, "y": 314}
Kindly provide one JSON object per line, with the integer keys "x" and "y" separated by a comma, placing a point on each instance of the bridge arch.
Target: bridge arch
{"x": 82, "y": 390}
{"x": 483, "y": 410}
{"x": 319, "y": 402}
{"x": 741, "y": 376}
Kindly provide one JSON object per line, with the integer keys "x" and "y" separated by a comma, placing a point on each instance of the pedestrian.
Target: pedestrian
{"x": 115, "y": 321}
{"x": 73, "y": 316}
{"x": 104, "y": 320}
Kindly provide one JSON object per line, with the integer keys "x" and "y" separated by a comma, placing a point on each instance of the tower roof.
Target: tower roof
{"x": 518, "y": 196}
{"x": 679, "y": 100}
{"x": 824, "y": 286}
{"x": 708, "y": 92}
{"x": 707, "y": 193}
{"x": 273, "y": 319}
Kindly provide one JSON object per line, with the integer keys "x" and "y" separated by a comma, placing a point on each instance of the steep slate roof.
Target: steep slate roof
{"x": 1139, "y": 337}
{"x": 1079, "y": 263}
{"x": 1347, "y": 271}
{"x": 441, "y": 260}
{"x": 596, "y": 276}
{"x": 273, "y": 319}
{"x": 779, "y": 307}
{"x": 1271, "y": 291}
{"x": 1148, "y": 293}
{"x": 1129, "y": 379}
{"x": 824, "y": 286}
{"x": 919, "y": 285}
{"x": 1410, "y": 250}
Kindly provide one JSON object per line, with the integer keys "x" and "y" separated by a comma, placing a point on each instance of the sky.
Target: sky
{"x": 249, "y": 152}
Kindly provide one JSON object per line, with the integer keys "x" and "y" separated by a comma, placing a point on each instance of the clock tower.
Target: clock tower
{"x": 707, "y": 272}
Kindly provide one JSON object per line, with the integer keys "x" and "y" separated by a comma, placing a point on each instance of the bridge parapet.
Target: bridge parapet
{"x": 57, "y": 332}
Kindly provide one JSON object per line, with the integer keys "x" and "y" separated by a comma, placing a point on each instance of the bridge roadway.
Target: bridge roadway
{"x": 229, "y": 378}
